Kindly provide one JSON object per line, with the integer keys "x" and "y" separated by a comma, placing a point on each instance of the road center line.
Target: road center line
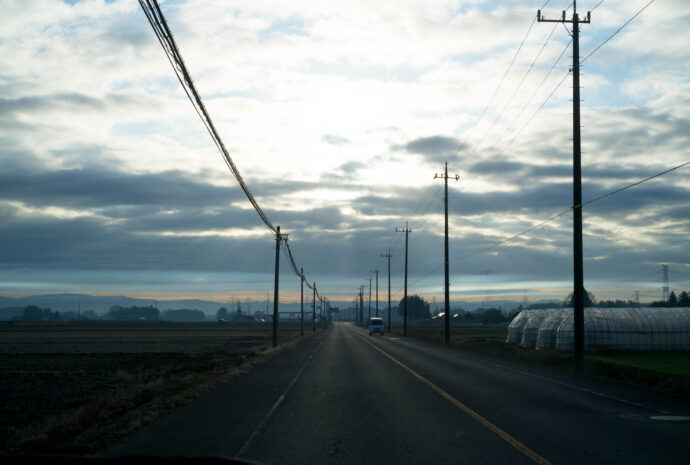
{"x": 502, "y": 434}
{"x": 259, "y": 429}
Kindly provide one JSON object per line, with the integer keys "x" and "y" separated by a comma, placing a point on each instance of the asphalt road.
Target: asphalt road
{"x": 346, "y": 397}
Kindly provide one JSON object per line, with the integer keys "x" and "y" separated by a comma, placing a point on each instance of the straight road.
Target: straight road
{"x": 346, "y": 397}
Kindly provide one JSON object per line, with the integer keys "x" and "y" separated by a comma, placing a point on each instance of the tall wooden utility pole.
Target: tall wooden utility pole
{"x": 301, "y": 301}
{"x": 578, "y": 273}
{"x": 407, "y": 231}
{"x": 275, "y": 289}
{"x": 446, "y": 331}
{"x": 313, "y": 311}
{"x": 369, "y": 300}
{"x": 377, "y": 289}
{"x": 361, "y": 304}
{"x": 388, "y": 256}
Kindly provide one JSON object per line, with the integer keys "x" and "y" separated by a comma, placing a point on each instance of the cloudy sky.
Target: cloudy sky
{"x": 338, "y": 115}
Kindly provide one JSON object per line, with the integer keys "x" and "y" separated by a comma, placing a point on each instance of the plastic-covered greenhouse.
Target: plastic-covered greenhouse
{"x": 605, "y": 329}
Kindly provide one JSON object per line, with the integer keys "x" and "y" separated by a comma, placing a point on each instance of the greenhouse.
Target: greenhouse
{"x": 531, "y": 329}
{"x": 516, "y": 326}
{"x": 605, "y": 329}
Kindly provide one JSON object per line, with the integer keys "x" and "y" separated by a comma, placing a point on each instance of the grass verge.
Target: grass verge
{"x": 667, "y": 372}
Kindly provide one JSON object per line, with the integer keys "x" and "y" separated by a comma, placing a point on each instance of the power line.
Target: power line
{"x": 552, "y": 218}
{"x": 523, "y": 79}
{"x": 558, "y": 215}
{"x": 517, "y": 88}
{"x": 165, "y": 37}
{"x": 597, "y": 5}
{"x": 560, "y": 83}
{"x": 635, "y": 183}
{"x": 160, "y": 27}
{"x": 619, "y": 30}
{"x": 510, "y": 66}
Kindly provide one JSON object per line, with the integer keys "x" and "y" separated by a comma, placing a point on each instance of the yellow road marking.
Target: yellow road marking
{"x": 502, "y": 434}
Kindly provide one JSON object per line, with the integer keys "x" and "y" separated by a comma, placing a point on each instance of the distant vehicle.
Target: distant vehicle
{"x": 376, "y": 326}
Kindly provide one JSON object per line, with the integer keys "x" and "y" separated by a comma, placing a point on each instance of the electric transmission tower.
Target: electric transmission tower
{"x": 664, "y": 289}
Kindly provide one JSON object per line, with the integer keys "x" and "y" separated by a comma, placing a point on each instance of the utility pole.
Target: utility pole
{"x": 361, "y": 304}
{"x": 275, "y": 289}
{"x": 313, "y": 311}
{"x": 578, "y": 269}
{"x": 446, "y": 331}
{"x": 369, "y": 306}
{"x": 388, "y": 256}
{"x": 301, "y": 301}
{"x": 407, "y": 231}
{"x": 377, "y": 290}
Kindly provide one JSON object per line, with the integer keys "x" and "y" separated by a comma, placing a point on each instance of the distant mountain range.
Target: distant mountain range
{"x": 101, "y": 304}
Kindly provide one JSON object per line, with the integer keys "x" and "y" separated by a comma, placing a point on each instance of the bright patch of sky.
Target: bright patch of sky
{"x": 338, "y": 116}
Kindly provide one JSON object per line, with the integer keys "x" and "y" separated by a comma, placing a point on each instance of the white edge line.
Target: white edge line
{"x": 589, "y": 391}
{"x": 257, "y": 431}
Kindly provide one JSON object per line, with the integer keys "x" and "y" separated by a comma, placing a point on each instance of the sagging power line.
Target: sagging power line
{"x": 156, "y": 19}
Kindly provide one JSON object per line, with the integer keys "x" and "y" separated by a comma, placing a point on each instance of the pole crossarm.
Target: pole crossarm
{"x": 541, "y": 19}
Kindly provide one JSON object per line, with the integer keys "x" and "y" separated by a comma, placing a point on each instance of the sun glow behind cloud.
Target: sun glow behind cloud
{"x": 338, "y": 117}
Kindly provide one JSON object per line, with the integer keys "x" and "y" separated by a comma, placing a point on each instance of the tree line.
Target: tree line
{"x": 115, "y": 313}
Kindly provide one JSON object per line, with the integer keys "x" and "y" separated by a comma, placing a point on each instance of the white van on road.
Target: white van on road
{"x": 376, "y": 325}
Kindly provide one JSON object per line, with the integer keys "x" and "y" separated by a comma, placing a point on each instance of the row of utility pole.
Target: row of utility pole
{"x": 324, "y": 306}
{"x": 578, "y": 273}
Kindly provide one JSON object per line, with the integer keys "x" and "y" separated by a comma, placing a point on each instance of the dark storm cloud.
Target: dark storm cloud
{"x": 321, "y": 218}
{"x": 523, "y": 172}
{"x": 540, "y": 198}
{"x": 435, "y": 149}
{"x": 646, "y": 198}
{"x": 127, "y": 213}
{"x": 88, "y": 243}
{"x": 89, "y": 188}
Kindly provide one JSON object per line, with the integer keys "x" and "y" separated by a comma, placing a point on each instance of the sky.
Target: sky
{"x": 338, "y": 116}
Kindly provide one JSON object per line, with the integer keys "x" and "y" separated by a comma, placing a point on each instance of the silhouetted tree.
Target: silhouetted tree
{"x": 542, "y": 305}
{"x": 34, "y": 313}
{"x": 589, "y": 299}
{"x": 222, "y": 314}
{"x": 417, "y": 308}
{"x": 119, "y": 313}
{"x": 684, "y": 299}
{"x": 672, "y": 299}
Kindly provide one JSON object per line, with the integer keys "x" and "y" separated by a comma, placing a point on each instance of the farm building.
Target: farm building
{"x": 605, "y": 329}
